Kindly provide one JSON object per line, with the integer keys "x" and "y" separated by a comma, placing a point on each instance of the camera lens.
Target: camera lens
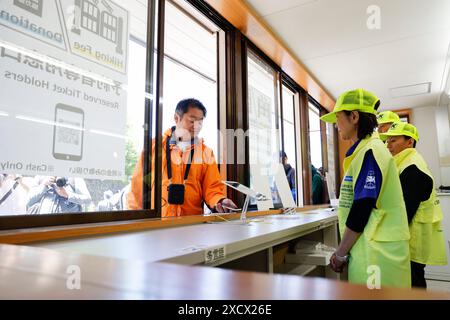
{"x": 61, "y": 182}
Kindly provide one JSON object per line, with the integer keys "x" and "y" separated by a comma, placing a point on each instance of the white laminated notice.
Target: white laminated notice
{"x": 261, "y": 185}
{"x": 63, "y": 80}
{"x": 283, "y": 187}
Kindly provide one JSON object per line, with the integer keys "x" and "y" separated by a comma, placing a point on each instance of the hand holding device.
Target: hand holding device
{"x": 226, "y": 205}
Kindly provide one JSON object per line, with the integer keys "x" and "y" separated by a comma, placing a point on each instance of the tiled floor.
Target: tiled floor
{"x": 438, "y": 285}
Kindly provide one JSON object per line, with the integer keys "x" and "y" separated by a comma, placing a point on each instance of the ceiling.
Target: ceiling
{"x": 332, "y": 40}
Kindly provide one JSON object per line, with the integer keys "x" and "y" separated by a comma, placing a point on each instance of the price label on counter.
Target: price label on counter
{"x": 215, "y": 254}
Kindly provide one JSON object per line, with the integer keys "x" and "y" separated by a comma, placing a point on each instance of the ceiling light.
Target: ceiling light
{"x": 411, "y": 90}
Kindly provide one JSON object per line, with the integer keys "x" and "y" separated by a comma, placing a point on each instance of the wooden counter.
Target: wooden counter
{"x": 38, "y": 273}
{"x": 187, "y": 244}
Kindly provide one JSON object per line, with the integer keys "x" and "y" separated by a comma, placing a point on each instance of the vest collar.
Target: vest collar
{"x": 352, "y": 149}
{"x": 403, "y": 155}
{"x": 362, "y": 143}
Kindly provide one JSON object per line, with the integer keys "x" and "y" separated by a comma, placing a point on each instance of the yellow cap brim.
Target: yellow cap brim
{"x": 329, "y": 117}
{"x": 384, "y": 136}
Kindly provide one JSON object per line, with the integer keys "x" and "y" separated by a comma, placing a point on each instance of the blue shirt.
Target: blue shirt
{"x": 368, "y": 185}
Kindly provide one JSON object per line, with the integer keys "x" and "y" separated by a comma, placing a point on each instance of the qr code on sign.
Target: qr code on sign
{"x": 67, "y": 134}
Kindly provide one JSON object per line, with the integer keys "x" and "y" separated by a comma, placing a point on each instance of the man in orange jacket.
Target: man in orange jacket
{"x": 189, "y": 185}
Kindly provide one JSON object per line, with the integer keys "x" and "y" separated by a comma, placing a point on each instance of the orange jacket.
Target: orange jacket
{"x": 203, "y": 183}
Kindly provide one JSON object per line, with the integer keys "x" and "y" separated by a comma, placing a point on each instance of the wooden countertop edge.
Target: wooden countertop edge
{"x": 27, "y": 275}
{"x": 23, "y": 236}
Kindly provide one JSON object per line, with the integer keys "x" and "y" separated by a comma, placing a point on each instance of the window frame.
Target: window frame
{"x": 404, "y": 114}
{"x": 287, "y": 82}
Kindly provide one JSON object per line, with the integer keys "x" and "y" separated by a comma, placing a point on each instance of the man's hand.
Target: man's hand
{"x": 22, "y": 184}
{"x": 336, "y": 265}
{"x": 221, "y": 205}
{"x": 62, "y": 192}
{"x": 49, "y": 181}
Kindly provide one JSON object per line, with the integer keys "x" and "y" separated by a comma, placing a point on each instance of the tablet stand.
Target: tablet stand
{"x": 258, "y": 197}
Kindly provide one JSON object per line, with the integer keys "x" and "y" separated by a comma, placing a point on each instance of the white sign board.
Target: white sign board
{"x": 261, "y": 184}
{"x": 283, "y": 187}
{"x": 63, "y": 71}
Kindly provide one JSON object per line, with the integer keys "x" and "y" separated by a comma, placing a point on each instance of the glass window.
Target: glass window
{"x": 330, "y": 174}
{"x": 315, "y": 138}
{"x": 316, "y": 152}
{"x": 191, "y": 46}
{"x": 264, "y": 138}
{"x": 290, "y": 141}
{"x": 190, "y": 67}
{"x": 72, "y": 88}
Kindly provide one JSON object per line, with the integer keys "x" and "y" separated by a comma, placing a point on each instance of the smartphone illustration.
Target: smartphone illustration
{"x": 68, "y": 133}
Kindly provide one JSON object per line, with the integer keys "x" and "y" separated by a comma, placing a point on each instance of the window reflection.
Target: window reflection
{"x": 264, "y": 137}
{"x": 290, "y": 142}
{"x": 317, "y": 166}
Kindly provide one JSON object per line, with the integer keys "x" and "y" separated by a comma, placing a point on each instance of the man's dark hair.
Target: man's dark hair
{"x": 408, "y": 137}
{"x": 183, "y": 106}
{"x": 366, "y": 124}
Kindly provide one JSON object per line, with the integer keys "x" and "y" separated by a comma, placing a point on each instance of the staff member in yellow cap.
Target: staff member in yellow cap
{"x": 427, "y": 244}
{"x": 372, "y": 220}
{"x": 385, "y": 119}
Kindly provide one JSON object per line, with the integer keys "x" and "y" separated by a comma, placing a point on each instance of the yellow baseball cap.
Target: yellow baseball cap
{"x": 387, "y": 117}
{"x": 353, "y": 100}
{"x": 400, "y": 128}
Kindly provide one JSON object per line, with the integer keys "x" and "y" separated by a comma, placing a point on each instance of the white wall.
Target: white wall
{"x": 446, "y": 170}
{"x": 424, "y": 119}
{"x": 443, "y": 132}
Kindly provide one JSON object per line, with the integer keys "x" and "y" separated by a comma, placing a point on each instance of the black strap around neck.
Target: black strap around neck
{"x": 168, "y": 159}
{"x": 3, "y": 199}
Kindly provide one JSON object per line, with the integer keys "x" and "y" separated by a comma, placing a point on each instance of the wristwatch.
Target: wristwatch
{"x": 342, "y": 259}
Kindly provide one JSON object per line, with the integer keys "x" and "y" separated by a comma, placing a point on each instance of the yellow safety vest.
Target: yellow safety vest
{"x": 427, "y": 244}
{"x": 384, "y": 243}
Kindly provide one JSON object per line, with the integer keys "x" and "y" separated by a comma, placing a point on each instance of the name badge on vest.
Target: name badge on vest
{"x": 346, "y": 196}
